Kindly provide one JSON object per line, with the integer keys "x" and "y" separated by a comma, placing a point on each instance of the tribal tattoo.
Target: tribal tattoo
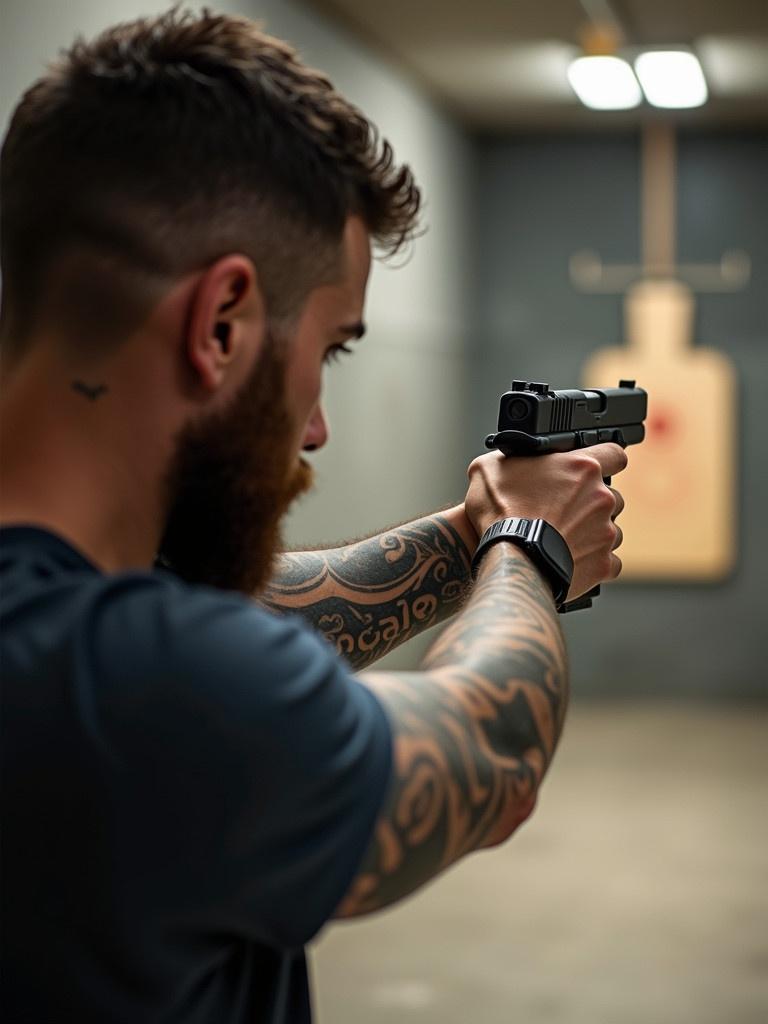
{"x": 370, "y": 596}
{"x": 474, "y": 733}
{"x": 90, "y": 391}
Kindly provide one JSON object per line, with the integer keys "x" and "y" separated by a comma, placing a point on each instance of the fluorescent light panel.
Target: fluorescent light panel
{"x": 671, "y": 78}
{"x": 604, "y": 83}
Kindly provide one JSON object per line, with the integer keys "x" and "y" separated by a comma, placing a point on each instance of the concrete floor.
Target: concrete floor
{"x": 637, "y": 893}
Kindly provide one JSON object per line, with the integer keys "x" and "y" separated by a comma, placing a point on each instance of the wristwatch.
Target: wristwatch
{"x": 541, "y": 542}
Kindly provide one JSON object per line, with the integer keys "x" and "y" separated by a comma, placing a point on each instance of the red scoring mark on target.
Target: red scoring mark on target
{"x": 660, "y": 425}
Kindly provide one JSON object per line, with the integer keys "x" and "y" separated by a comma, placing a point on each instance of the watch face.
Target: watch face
{"x": 557, "y": 551}
{"x": 555, "y": 554}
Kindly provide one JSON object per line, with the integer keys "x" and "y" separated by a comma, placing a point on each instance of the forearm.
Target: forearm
{"x": 474, "y": 732}
{"x": 369, "y": 596}
{"x": 507, "y": 652}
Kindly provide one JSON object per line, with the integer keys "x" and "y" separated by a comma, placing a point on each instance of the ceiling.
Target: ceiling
{"x": 500, "y": 65}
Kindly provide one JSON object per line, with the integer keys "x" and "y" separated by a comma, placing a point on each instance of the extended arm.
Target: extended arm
{"x": 369, "y": 596}
{"x": 475, "y": 730}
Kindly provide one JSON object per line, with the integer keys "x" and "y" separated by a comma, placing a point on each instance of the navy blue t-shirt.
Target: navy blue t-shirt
{"x": 188, "y": 787}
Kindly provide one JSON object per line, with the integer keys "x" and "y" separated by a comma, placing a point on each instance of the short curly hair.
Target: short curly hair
{"x": 167, "y": 142}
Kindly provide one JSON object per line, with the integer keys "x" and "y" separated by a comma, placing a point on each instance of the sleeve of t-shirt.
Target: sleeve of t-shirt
{"x": 246, "y": 765}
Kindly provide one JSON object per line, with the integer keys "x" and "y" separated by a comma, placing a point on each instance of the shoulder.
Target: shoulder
{"x": 259, "y": 759}
{"x": 155, "y": 648}
{"x": 141, "y": 620}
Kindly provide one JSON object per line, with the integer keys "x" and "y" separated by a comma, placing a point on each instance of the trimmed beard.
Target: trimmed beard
{"x": 230, "y": 483}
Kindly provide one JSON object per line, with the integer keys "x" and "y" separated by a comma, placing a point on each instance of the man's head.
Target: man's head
{"x": 193, "y": 156}
{"x": 235, "y": 471}
{"x": 167, "y": 143}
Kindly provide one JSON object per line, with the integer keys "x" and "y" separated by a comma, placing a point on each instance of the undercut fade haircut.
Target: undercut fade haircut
{"x": 166, "y": 143}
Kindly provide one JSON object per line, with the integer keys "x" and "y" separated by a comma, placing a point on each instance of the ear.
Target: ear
{"x": 226, "y": 323}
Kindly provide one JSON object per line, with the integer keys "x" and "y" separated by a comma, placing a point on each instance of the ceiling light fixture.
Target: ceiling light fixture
{"x": 671, "y": 78}
{"x": 603, "y": 82}
{"x": 600, "y": 79}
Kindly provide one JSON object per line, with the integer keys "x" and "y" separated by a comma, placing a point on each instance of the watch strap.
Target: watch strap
{"x": 510, "y": 529}
{"x": 542, "y": 543}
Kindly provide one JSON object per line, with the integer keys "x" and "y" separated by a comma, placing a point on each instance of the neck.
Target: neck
{"x": 75, "y": 461}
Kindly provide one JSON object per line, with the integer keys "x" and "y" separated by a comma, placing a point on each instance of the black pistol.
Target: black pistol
{"x": 534, "y": 420}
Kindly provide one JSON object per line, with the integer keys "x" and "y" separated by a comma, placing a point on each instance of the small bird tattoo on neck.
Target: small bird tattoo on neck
{"x": 91, "y": 393}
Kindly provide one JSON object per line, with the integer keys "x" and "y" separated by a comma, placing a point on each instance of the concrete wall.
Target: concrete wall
{"x": 541, "y": 199}
{"x": 399, "y": 441}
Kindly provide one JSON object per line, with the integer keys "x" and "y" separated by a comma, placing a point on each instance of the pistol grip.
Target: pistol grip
{"x": 585, "y": 601}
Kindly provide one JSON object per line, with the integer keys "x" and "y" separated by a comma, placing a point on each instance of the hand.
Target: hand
{"x": 567, "y": 490}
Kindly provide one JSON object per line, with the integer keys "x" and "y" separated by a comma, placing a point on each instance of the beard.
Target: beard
{"x": 230, "y": 483}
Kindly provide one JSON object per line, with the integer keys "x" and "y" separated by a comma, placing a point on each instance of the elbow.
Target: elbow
{"x": 512, "y": 817}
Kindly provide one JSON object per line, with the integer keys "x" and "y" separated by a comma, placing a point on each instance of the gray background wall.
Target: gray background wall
{"x": 540, "y": 200}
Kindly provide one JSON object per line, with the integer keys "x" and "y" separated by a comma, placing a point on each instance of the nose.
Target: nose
{"x": 316, "y": 433}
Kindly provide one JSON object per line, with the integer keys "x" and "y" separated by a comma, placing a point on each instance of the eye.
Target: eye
{"x": 335, "y": 352}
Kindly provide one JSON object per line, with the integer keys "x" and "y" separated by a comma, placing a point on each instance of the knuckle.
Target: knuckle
{"x": 585, "y": 463}
{"x": 610, "y": 540}
{"x": 605, "y": 501}
{"x": 605, "y": 566}
{"x": 478, "y": 468}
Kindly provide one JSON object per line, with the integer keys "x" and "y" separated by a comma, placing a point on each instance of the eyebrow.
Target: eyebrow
{"x": 356, "y": 330}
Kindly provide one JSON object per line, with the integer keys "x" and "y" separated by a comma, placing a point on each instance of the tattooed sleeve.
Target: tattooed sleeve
{"x": 474, "y": 733}
{"x": 370, "y": 596}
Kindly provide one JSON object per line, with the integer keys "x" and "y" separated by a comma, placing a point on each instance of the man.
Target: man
{"x": 192, "y": 784}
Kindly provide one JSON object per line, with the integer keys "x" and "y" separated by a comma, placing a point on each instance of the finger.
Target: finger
{"x": 611, "y": 458}
{"x": 619, "y": 540}
{"x": 618, "y": 498}
{"x": 615, "y": 567}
